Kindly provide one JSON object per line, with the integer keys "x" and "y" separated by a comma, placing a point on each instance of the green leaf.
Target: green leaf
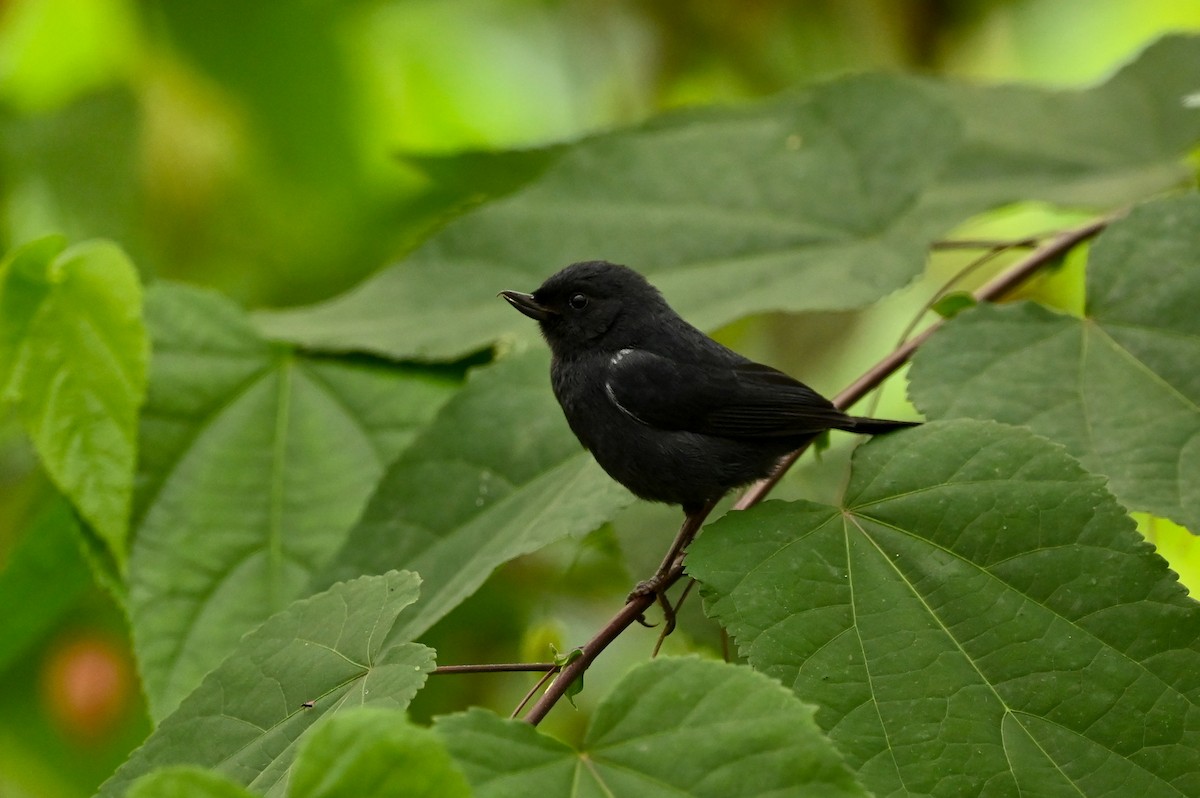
{"x": 980, "y": 617}
{"x": 497, "y": 474}
{"x": 1108, "y": 145}
{"x": 672, "y": 727}
{"x": 374, "y": 752}
{"x": 42, "y": 579}
{"x": 185, "y": 782}
{"x": 474, "y": 176}
{"x": 1119, "y": 388}
{"x": 824, "y": 199}
{"x": 808, "y": 201}
{"x": 952, "y": 304}
{"x": 562, "y": 661}
{"x": 256, "y": 462}
{"x": 73, "y": 360}
{"x": 247, "y": 716}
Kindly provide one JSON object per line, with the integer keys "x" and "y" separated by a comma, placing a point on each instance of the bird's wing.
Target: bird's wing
{"x": 734, "y": 400}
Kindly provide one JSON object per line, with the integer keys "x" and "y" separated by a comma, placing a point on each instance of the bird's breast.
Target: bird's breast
{"x": 580, "y": 387}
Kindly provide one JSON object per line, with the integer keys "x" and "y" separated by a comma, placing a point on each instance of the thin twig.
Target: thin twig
{"x": 1009, "y": 279}
{"x": 998, "y": 244}
{"x": 938, "y": 295}
{"x": 945, "y": 288}
{"x": 636, "y": 605}
{"x": 633, "y": 609}
{"x": 503, "y": 667}
{"x": 532, "y": 692}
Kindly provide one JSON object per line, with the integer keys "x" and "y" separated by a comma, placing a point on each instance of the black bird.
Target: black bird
{"x": 667, "y": 411}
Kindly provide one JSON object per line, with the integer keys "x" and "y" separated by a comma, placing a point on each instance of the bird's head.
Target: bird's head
{"x": 591, "y": 306}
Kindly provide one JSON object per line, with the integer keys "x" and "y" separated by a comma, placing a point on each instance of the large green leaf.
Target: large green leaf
{"x": 182, "y": 781}
{"x": 980, "y": 617}
{"x": 365, "y": 752}
{"x": 375, "y": 752}
{"x": 672, "y": 727}
{"x": 496, "y": 475}
{"x": 809, "y": 201}
{"x": 1108, "y": 145}
{"x": 822, "y": 199}
{"x": 256, "y": 461}
{"x": 321, "y": 655}
{"x": 1120, "y": 387}
{"x": 73, "y": 360}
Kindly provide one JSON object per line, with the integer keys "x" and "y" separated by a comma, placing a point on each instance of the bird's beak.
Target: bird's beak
{"x": 527, "y": 305}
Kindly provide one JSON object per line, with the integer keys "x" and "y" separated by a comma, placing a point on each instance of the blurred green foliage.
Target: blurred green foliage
{"x": 281, "y": 152}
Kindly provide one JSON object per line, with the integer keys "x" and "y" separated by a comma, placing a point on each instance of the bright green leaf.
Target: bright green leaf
{"x": 1119, "y": 388}
{"x": 562, "y": 661}
{"x": 979, "y": 618}
{"x": 57, "y": 50}
{"x": 73, "y": 360}
{"x": 951, "y": 305}
{"x": 498, "y": 474}
{"x": 247, "y": 717}
{"x": 672, "y": 727}
{"x": 185, "y": 782}
{"x": 256, "y": 461}
{"x": 371, "y": 752}
{"x": 1177, "y": 545}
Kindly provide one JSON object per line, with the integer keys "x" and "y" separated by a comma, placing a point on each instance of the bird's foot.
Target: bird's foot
{"x": 648, "y": 587}
{"x": 654, "y": 587}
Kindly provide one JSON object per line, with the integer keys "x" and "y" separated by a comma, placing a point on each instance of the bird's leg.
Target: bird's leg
{"x": 670, "y": 612}
{"x": 692, "y": 519}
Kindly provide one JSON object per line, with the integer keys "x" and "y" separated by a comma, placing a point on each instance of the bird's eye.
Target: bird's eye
{"x": 578, "y": 302}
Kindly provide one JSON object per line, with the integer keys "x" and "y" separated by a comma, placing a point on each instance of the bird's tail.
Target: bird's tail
{"x": 875, "y": 426}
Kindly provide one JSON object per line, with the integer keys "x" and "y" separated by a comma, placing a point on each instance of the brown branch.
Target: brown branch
{"x": 633, "y": 609}
{"x": 995, "y": 289}
{"x": 937, "y": 296}
{"x": 636, "y": 605}
{"x": 1059, "y": 245}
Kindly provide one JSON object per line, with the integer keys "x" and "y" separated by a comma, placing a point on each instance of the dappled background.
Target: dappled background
{"x": 282, "y": 152}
